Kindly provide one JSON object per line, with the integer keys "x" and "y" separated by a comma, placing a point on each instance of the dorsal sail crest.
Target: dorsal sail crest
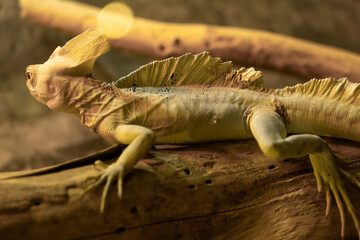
{"x": 189, "y": 70}
{"x": 336, "y": 89}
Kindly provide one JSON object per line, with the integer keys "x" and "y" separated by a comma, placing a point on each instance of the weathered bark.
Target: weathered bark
{"x": 244, "y": 46}
{"x": 226, "y": 190}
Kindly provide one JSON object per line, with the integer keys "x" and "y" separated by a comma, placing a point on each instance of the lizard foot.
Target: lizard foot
{"x": 108, "y": 174}
{"x": 328, "y": 178}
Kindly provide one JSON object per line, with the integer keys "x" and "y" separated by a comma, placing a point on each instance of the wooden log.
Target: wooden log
{"x": 245, "y": 46}
{"x": 226, "y": 190}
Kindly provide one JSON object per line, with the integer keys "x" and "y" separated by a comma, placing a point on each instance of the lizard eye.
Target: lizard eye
{"x": 29, "y": 75}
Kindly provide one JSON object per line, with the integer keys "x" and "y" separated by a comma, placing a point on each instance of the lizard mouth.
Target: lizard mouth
{"x": 32, "y": 88}
{"x": 29, "y": 86}
{"x": 32, "y": 91}
{"x": 36, "y": 94}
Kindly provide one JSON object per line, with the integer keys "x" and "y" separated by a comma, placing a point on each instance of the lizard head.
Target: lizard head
{"x": 49, "y": 81}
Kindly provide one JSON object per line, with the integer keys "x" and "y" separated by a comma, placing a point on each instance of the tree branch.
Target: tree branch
{"x": 229, "y": 192}
{"x": 244, "y": 46}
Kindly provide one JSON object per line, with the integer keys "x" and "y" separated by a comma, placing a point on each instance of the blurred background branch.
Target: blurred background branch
{"x": 159, "y": 40}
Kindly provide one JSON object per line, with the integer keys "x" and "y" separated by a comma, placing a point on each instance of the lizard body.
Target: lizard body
{"x": 196, "y": 98}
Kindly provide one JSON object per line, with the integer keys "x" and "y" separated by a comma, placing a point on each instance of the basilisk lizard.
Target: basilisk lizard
{"x": 197, "y": 98}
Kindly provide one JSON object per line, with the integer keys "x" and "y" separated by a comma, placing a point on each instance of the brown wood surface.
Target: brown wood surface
{"x": 245, "y": 46}
{"x": 227, "y": 190}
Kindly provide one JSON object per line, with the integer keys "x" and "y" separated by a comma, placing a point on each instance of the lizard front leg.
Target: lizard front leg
{"x": 139, "y": 140}
{"x": 269, "y": 131}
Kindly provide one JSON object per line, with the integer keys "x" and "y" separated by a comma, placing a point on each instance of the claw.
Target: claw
{"x": 341, "y": 209}
{"x": 105, "y": 192}
{"x": 120, "y": 186}
{"x": 96, "y": 177}
{"x": 350, "y": 207}
{"x": 328, "y": 199}
{"x": 101, "y": 164}
{"x": 319, "y": 182}
{"x": 327, "y": 175}
{"x": 108, "y": 174}
{"x": 350, "y": 177}
{"x": 99, "y": 180}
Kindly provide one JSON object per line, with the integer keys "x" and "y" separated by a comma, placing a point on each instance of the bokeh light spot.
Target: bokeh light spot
{"x": 115, "y": 19}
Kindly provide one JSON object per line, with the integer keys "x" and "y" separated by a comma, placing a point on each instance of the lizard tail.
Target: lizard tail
{"x": 105, "y": 154}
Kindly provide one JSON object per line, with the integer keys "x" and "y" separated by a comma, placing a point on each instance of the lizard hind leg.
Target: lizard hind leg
{"x": 269, "y": 131}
